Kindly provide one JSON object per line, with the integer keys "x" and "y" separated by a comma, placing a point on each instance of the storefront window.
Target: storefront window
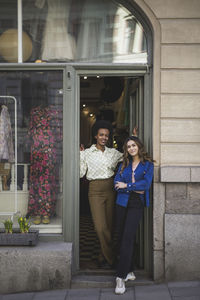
{"x": 8, "y": 31}
{"x": 73, "y": 31}
{"x": 39, "y": 117}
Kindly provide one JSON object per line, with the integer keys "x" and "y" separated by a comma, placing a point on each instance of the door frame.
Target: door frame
{"x": 71, "y": 140}
{"x": 71, "y": 128}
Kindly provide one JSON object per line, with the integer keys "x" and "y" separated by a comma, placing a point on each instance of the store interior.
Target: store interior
{"x": 101, "y": 98}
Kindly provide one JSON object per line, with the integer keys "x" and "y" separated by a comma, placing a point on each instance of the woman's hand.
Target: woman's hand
{"x": 82, "y": 148}
{"x": 140, "y": 192}
{"x": 120, "y": 185}
{"x": 135, "y": 131}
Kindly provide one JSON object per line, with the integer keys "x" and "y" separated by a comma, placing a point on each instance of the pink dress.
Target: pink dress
{"x": 45, "y": 134}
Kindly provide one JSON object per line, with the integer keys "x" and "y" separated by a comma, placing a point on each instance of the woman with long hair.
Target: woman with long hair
{"x": 132, "y": 182}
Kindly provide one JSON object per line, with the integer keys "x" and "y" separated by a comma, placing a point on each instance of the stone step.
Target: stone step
{"x": 104, "y": 279}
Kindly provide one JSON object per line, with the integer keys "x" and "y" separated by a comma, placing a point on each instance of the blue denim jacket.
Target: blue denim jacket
{"x": 143, "y": 179}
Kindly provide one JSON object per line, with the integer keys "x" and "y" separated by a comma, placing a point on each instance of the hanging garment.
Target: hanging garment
{"x": 45, "y": 134}
{"x": 57, "y": 42}
{"x": 6, "y": 141}
{"x": 90, "y": 39}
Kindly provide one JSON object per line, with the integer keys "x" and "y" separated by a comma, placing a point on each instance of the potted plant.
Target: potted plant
{"x": 22, "y": 236}
{"x": 8, "y": 225}
{"x": 24, "y": 225}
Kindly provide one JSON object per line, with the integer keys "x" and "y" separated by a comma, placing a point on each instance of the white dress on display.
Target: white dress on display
{"x": 57, "y": 42}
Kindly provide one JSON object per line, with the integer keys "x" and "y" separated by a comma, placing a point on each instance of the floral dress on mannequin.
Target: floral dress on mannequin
{"x": 45, "y": 134}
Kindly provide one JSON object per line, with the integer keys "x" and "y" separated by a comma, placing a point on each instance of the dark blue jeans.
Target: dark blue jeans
{"x": 127, "y": 221}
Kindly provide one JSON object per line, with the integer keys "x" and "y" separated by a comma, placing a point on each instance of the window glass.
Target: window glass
{"x": 8, "y": 31}
{"x": 39, "y": 121}
{"x": 82, "y": 30}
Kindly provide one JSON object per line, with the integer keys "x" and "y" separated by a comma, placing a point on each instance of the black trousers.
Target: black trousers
{"x": 127, "y": 221}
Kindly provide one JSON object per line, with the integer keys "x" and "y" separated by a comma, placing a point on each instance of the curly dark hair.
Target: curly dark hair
{"x": 102, "y": 124}
{"x": 143, "y": 155}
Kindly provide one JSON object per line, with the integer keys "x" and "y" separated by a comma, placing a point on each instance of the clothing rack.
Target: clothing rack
{"x": 12, "y": 98}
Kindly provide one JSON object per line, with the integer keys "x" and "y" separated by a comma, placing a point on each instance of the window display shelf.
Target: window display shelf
{"x": 55, "y": 226}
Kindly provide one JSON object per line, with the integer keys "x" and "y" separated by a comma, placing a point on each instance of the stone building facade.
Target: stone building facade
{"x": 176, "y": 137}
{"x": 175, "y": 27}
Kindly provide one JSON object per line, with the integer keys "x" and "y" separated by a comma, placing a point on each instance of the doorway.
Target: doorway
{"x": 119, "y": 100}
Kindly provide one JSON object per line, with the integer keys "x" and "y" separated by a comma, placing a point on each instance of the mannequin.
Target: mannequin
{"x": 45, "y": 134}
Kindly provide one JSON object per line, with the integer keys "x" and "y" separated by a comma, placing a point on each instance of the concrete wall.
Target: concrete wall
{"x": 180, "y": 80}
{"x": 44, "y": 267}
{"x": 179, "y": 63}
{"x": 182, "y": 243}
{"x": 176, "y": 135}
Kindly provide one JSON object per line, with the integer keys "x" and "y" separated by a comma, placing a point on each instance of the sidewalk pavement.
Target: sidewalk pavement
{"x": 187, "y": 290}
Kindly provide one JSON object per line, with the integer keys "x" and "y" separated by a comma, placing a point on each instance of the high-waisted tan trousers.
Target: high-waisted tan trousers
{"x": 101, "y": 199}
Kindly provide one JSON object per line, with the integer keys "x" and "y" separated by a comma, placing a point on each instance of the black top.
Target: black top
{"x": 135, "y": 201}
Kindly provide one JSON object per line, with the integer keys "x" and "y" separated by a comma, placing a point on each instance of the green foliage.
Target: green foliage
{"x": 8, "y": 225}
{"x": 24, "y": 225}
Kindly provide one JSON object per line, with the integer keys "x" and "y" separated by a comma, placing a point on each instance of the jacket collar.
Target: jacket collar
{"x": 138, "y": 166}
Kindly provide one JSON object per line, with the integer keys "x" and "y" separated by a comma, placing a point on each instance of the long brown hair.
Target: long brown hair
{"x": 143, "y": 155}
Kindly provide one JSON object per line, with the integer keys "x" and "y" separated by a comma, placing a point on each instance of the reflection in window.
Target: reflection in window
{"x": 8, "y": 31}
{"x": 66, "y": 30}
{"x": 39, "y": 146}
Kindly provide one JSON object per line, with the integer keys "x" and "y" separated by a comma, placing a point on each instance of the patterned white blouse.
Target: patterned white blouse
{"x": 6, "y": 142}
{"x": 97, "y": 164}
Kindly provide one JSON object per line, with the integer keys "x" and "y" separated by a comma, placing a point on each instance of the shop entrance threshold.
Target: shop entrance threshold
{"x": 105, "y": 279}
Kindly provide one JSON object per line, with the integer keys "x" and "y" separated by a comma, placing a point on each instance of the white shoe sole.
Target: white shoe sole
{"x": 120, "y": 292}
{"x": 129, "y": 277}
{"x": 120, "y": 286}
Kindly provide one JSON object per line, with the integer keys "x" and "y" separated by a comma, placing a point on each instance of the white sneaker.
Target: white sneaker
{"x": 120, "y": 286}
{"x": 130, "y": 276}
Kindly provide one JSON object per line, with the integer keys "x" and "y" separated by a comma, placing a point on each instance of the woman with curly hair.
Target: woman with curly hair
{"x": 98, "y": 163}
{"x": 132, "y": 182}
